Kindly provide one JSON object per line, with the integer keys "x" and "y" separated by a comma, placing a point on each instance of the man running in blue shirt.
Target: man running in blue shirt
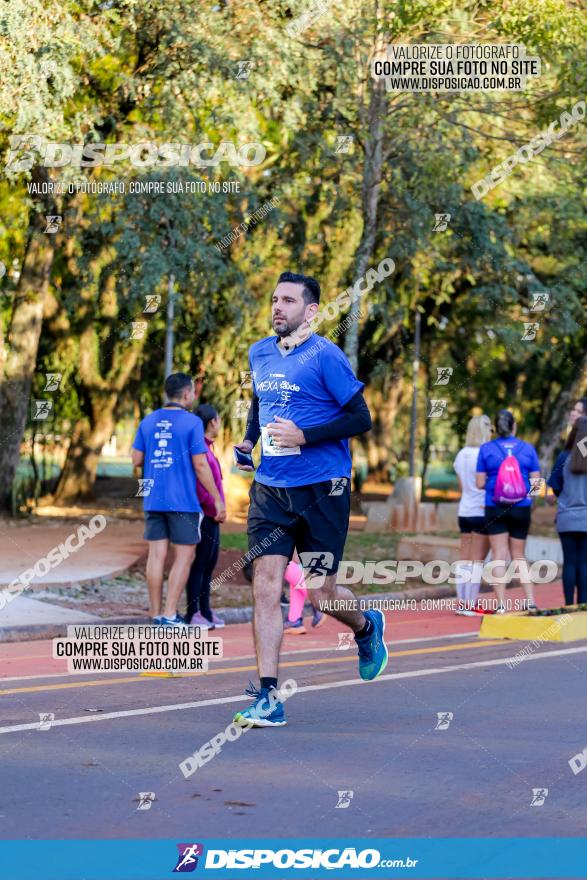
{"x": 170, "y": 446}
{"x": 307, "y": 403}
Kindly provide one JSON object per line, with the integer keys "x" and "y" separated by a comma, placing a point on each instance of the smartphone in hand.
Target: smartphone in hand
{"x": 244, "y": 459}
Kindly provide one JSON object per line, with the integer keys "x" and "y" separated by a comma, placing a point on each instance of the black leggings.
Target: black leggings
{"x": 200, "y": 577}
{"x": 574, "y": 565}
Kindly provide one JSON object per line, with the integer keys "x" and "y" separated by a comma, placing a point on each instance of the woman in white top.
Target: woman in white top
{"x": 474, "y": 540}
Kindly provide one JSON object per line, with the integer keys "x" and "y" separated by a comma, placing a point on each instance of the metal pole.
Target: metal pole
{"x": 169, "y": 327}
{"x": 415, "y": 369}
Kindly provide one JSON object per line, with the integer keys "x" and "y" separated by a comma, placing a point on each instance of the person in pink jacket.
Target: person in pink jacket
{"x": 298, "y": 592}
{"x": 198, "y": 584}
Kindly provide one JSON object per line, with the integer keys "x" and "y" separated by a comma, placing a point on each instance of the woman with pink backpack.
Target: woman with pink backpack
{"x": 507, "y": 468}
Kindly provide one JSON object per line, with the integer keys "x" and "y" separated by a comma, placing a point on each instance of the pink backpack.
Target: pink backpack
{"x": 510, "y": 487}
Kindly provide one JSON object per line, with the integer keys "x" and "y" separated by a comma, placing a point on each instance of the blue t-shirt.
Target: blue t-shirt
{"x": 310, "y": 386}
{"x": 169, "y": 438}
{"x": 493, "y": 453}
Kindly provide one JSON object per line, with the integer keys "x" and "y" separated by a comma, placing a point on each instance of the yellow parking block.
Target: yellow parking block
{"x": 554, "y": 628}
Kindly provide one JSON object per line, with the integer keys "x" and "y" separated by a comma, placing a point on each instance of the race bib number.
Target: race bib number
{"x": 270, "y": 448}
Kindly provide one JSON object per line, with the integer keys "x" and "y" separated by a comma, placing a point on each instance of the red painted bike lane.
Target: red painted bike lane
{"x": 34, "y": 658}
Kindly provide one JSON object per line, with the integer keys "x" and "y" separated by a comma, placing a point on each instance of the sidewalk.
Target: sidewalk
{"x": 113, "y": 552}
{"x": 19, "y": 657}
{"x": 27, "y": 619}
{"x": 110, "y": 552}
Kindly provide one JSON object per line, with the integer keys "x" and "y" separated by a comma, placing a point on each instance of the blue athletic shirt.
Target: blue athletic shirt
{"x": 310, "y": 386}
{"x": 169, "y": 438}
{"x": 490, "y": 458}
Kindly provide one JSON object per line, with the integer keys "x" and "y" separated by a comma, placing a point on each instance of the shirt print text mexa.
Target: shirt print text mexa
{"x": 281, "y": 388}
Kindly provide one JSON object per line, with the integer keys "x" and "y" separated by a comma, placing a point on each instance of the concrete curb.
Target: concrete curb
{"x": 230, "y": 615}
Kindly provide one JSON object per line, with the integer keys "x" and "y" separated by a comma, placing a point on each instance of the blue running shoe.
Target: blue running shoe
{"x": 265, "y": 711}
{"x": 373, "y": 654}
{"x": 174, "y": 621}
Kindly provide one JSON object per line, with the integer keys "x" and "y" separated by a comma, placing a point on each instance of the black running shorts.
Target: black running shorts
{"x": 468, "y": 524}
{"x": 313, "y": 520}
{"x": 177, "y": 527}
{"x": 511, "y": 519}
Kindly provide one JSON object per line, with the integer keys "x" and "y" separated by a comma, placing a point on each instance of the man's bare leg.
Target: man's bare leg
{"x": 268, "y": 574}
{"x": 369, "y": 628}
{"x": 178, "y": 576}
{"x": 155, "y": 569}
{"x": 328, "y": 594}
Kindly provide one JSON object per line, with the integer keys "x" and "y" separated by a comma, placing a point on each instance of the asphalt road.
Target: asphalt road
{"x": 511, "y": 731}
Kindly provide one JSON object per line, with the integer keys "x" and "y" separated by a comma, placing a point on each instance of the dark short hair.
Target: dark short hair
{"x": 175, "y": 384}
{"x": 583, "y": 402}
{"x": 504, "y": 422}
{"x": 311, "y": 291}
{"x": 206, "y": 412}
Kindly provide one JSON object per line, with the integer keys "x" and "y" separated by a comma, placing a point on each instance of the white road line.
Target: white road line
{"x": 415, "y": 673}
{"x": 283, "y": 654}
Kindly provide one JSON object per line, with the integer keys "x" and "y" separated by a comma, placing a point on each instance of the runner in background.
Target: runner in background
{"x": 471, "y": 513}
{"x": 199, "y": 580}
{"x": 568, "y": 481}
{"x": 506, "y": 469}
{"x": 170, "y": 447}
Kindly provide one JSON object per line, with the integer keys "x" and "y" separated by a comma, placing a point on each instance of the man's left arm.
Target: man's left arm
{"x": 354, "y": 419}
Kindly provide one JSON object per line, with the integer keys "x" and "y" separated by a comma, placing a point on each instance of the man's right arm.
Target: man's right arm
{"x": 252, "y": 433}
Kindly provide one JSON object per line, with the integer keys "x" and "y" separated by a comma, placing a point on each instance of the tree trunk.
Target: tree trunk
{"x": 372, "y": 171}
{"x": 384, "y": 406}
{"x": 20, "y": 356}
{"x": 427, "y": 421}
{"x": 369, "y": 201}
{"x": 102, "y": 392}
{"x": 551, "y": 435}
{"x": 81, "y": 464}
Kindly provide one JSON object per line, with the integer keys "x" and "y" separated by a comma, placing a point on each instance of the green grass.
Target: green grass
{"x": 359, "y": 545}
{"x": 234, "y": 541}
{"x": 372, "y": 546}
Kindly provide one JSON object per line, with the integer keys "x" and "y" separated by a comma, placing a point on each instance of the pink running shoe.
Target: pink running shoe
{"x": 199, "y": 620}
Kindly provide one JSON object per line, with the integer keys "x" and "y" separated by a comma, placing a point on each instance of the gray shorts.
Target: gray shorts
{"x": 179, "y": 528}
